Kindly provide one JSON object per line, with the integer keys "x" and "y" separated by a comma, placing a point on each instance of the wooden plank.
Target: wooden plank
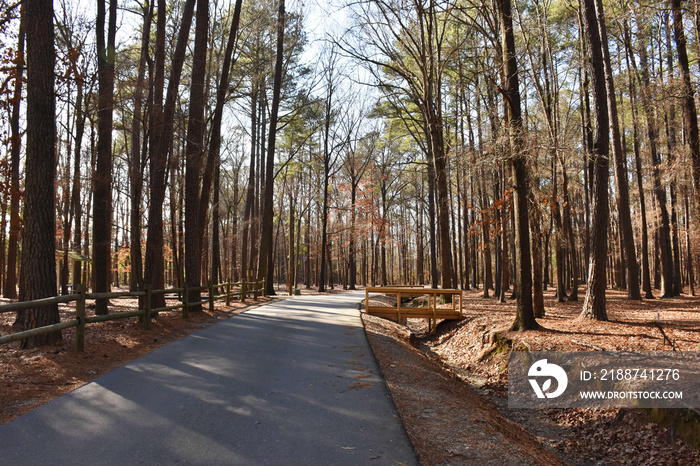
{"x": 115, "y": 316}
{"x": 38, "y": 331}
{"x": 116, "y": 295}
{"x": 21, "y": 305}
{"x": 414, "y": 312}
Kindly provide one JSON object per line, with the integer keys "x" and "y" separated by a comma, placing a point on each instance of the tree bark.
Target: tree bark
{"x": 38, "y": 264}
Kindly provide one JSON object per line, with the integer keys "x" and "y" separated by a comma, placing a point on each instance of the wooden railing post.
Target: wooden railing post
{"x": 460, "y": 304}
{"x": 211, "y": 297}
{"x": 228, "y": 293}
{"x": 264, "y": 289}
{"x": 398, "y": 307}
{"x": 80, "y": 315}
{"x": 147, "y": 317}
{"x": 255, "y": 290}
{"x": 244, "y": 292}
{"x": 185, "y": 302}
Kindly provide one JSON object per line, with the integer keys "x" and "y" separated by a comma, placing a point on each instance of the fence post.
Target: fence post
{"x": 211, "y": 297}
{"x": 255, "y": 290}
{"x": 243, "y": 291}
{"x": 185, "y": 302}
{"x": 80, "y": 315}
{"x": 264, "y": 290}
{"x": 228, "y": 293}
{"x": 147, "y": 316}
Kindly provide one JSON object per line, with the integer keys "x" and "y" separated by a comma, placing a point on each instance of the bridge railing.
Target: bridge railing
{"x": 430, "y": 311}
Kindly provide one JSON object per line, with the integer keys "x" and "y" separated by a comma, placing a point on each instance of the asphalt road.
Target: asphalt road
{"x": 289, "y": 383}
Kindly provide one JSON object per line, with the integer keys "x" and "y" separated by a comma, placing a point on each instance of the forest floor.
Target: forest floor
{"x": 427, "y": 375}
{"x": 579, "y": 436}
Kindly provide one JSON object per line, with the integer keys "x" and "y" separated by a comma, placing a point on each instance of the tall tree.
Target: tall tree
{"x": 330, "y": 77}
{"x": 162, "y": 121}
{"x": 194, "y": 153}
{"x": 10, "y": 288}
{"x": 632, "y": 64}
{"x": 102, "y": 182}
{"x": 594, "y": 304}
{"x": 265, "y": 261}
{"x": 136, "y": 175}
{"x": 214, "y": 155}
{"x": 623, "y": 201}
{"x": 662, "y": 235}
{"x": 38, "y": 264}
{"x": 525, "y": 317}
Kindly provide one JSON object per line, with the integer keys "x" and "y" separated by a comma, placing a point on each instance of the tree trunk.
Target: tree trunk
{"x": 215, "y": 274}
{"x": 38, "y": 265}
{"x": 250, "y": 189}
{"x": 195, "y": 219}
{"x": 162, "y": 121}
{"x": 352, "y": 262}
{"x": 10, "y": 289}
{"x": 265, "y": 264}
{"x": 646, "y": 278}
{"x": 623, "y": 201}
{"x": 689, "y": 256}
{"x": 102, "y": 184}
{"x": 594, "y": 304}
{"x": 525, "y": 317}
{"x": 136, "y": 276}
{"x": 663, "y": 232}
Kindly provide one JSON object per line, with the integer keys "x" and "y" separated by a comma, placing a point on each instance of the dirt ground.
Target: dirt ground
{"x": 452, "y": 399}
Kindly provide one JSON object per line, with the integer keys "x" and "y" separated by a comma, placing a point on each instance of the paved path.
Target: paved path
{"x": 293, "y": 382}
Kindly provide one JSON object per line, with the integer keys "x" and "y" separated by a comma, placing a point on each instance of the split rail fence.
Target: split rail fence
{"x": 247, "y": 289}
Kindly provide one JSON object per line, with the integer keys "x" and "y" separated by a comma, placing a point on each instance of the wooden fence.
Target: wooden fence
{"x": 247, "y": 289}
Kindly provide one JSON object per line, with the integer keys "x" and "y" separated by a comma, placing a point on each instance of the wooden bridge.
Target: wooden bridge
{"x": 431, "y": 311}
